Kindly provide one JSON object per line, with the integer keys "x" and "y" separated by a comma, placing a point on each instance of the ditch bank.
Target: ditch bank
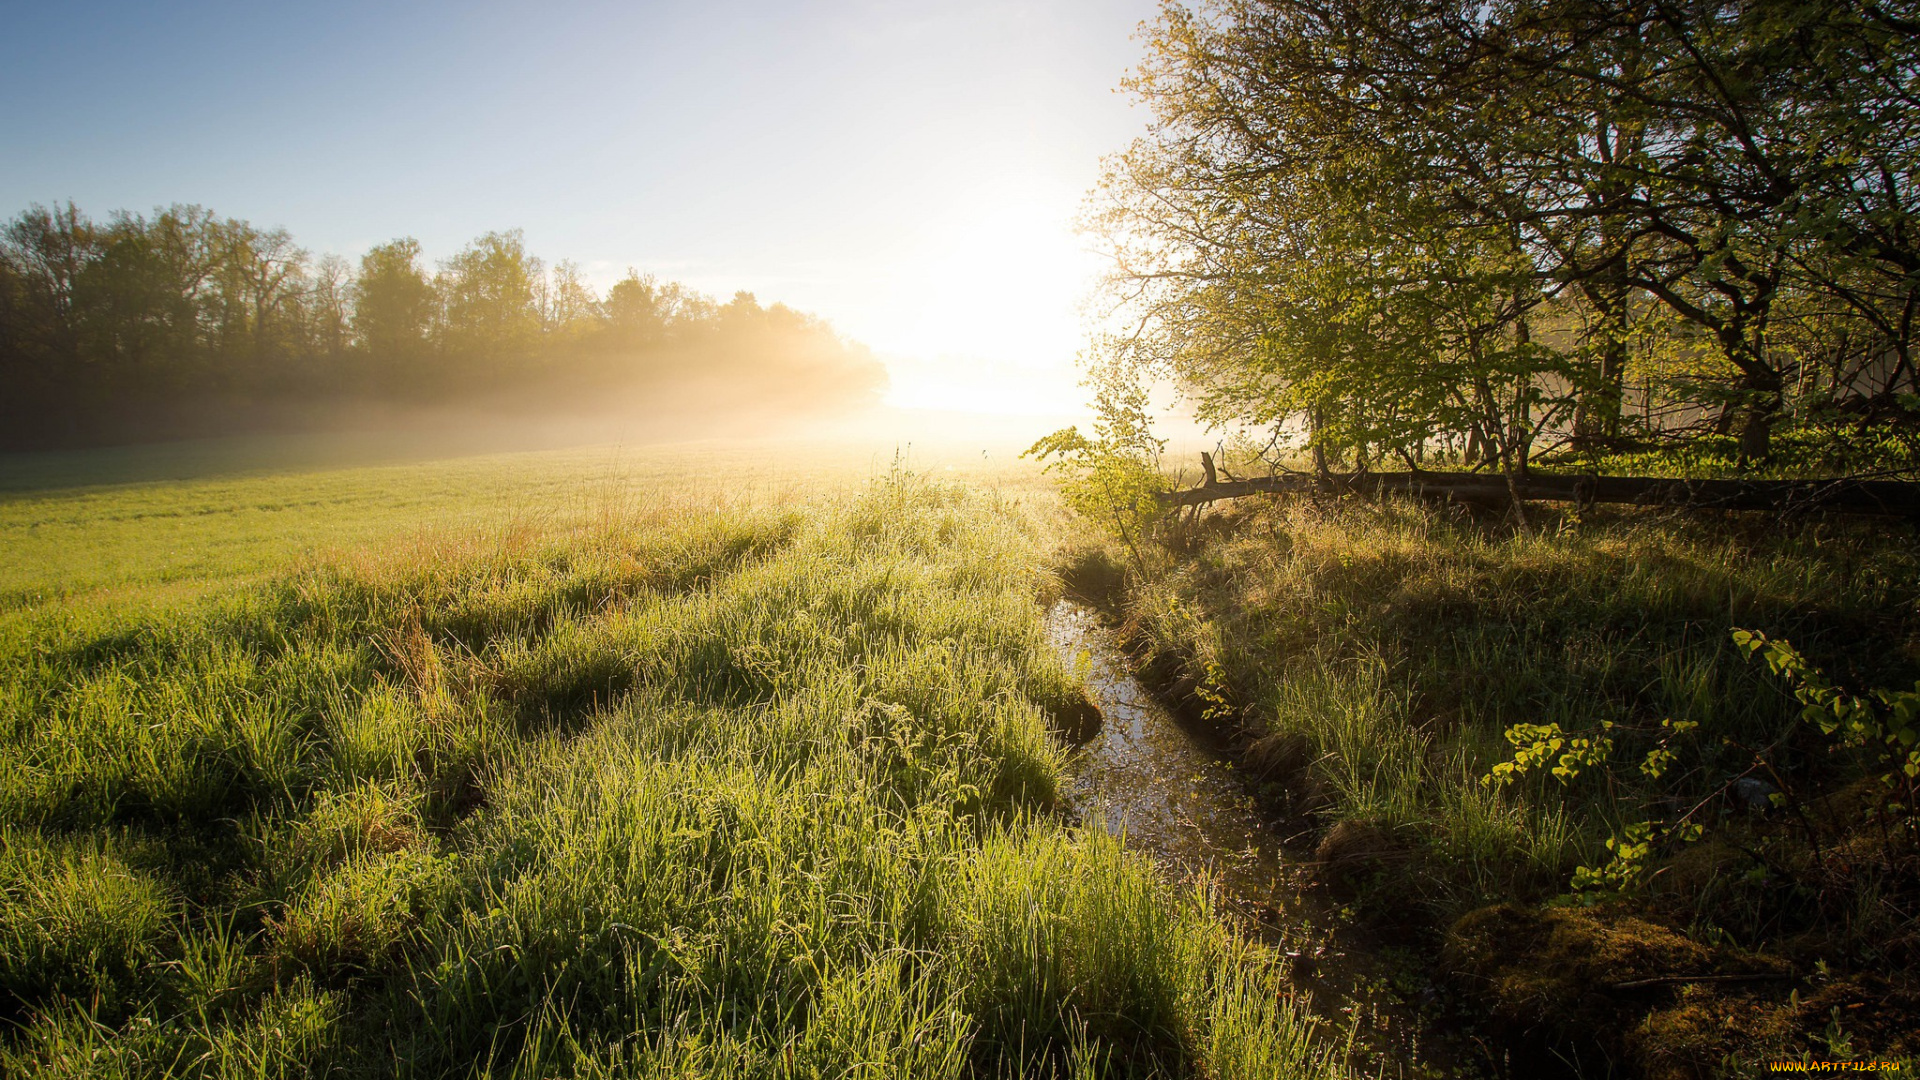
{"x": 1550, "y": 989}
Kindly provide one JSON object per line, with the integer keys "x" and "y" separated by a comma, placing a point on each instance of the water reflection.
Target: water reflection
{"x": 1169, "y": 790}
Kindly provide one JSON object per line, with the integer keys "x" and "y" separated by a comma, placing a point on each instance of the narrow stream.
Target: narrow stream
{"x": 1169, "y": 790}
{"x": 1175, "y": 793}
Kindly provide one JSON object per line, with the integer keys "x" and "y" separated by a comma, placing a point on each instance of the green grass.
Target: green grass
{"x": 518, "y": 768}
{"x": 1371, "y": 657}
{"x": 1401, "y": 643}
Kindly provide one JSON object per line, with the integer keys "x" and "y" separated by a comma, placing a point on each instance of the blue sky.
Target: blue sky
{"x": 908, "y": 170}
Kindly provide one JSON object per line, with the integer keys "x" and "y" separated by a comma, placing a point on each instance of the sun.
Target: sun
{"x": 985, "y": 310}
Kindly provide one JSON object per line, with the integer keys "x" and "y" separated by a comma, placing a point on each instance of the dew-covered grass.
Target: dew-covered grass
{"x": 676, "y": 782}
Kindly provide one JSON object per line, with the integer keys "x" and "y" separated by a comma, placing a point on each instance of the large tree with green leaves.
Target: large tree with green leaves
{"x": 1404, "y": 221}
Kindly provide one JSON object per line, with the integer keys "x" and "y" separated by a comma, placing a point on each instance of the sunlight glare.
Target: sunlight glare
{"x": 984, "y": 314}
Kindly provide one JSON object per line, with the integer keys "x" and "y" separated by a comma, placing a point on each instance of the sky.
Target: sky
{"x": 908, "y": 170}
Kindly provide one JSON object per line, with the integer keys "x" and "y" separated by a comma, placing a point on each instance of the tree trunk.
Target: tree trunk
{"x": 1756, "y": 432}
{"x": 1597, "y": 414}
{"x": 1756, "y": 435}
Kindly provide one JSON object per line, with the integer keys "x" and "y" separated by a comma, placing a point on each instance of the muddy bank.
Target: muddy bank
{"x": 1422, "y": 1000}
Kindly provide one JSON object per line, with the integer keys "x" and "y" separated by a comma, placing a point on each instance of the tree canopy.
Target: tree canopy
{"x": 1415, "y": 225}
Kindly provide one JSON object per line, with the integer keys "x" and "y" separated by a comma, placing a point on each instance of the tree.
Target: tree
{"x": 488, "y": 311}
{"x": 393, "y": 314}
{"x": 1286, "y": 257}
{"x": 45, "y": 251}
{"x": 567, "y": 306}
{"x": 329, "y": 306}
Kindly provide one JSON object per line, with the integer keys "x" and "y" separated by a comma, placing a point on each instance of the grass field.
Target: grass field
{"x": 583, "y": 763}
{"x": 710, "y": 760}
{"x": 194, "y": 515}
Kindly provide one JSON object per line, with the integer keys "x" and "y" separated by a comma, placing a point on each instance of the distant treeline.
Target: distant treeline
{"x": 189, "y": 323}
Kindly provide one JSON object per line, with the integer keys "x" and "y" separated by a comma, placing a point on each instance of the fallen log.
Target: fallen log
{"x": 1882, "y": 498}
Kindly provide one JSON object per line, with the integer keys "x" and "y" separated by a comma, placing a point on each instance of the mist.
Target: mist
{"x": 185, "y": 324}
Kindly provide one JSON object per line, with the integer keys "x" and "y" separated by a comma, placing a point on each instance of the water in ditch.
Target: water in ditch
{"x": 1168, "y": 789}
{"x": 1172, "y": 790}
